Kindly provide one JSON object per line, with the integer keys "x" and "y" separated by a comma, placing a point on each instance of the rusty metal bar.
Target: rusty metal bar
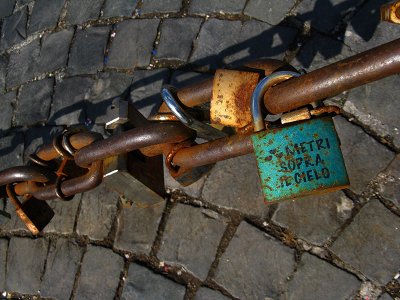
{"x": 368, "y": 66}
{"x": 149, "y": 135}
{"x": 25, "y": 173}
{"x": 214, "y": 151}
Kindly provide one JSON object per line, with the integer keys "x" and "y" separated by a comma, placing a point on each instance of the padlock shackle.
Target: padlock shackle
{"x": 357, "y": 70}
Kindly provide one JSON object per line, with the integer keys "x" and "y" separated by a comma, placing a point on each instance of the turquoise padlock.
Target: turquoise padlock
{"x": 297, "y": 160}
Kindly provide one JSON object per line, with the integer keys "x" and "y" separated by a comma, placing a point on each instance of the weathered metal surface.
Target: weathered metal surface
{"x": 298, "y": 160}
{"x": 391, "y": 12}
{"x": 25, "y": 173}
{"x": 230, "y": 103}
{"x": 374, "y": 64}
{"x": 295, "y": 116}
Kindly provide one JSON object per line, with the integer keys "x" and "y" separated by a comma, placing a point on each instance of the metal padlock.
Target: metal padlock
{"x": 300, "y": 159}
{"x": 36, "y": 214}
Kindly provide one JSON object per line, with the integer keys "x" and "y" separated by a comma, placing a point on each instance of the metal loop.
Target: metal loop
{"x": 259, "y": 92}
{"x": 66, "y": 144}
{"x": 59, "y": 192}
{"x": 170, "y": 156}
{"x": 37, "y": 160}
{"x": 57, "y": 144}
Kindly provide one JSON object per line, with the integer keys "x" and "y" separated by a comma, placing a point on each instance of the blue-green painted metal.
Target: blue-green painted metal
{"x": 300, "y": 159}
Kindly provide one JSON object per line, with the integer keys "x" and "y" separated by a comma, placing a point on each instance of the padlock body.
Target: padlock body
{"x": 301, "y": 159}
{"x": 36, "y": 214}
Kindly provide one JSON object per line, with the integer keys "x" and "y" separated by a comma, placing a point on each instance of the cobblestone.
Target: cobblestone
{"x": 107, "y": 86}
{"x": 80, "y": 11}
{"x": 87, "y": 52}
{"x": 316, "y": 279}
{"x": 13, "y": 30}
{"x": 23, "y": 275}
{"x": 188, "y": 230}
{"x": 128, "y": 53}
{"x": 137, "y": 228}
{"x": 69, "y": 101}
{"x": 165, "y": 6}
{"x": 168, "y": 48}
{"x": 324, "y": 15}
{"x": 3, "y": 263}
{"x": 365, "y": 30}
{"x": 6, "y": 113}
{"x": 204, "y": 7}
{"x": 6, "y": 8}
{"x": 22, "y": 64}
{"x": 34, "y": 100}
{"x": 379, "y": 117}
{"x": 144, "y": 284}
{"x": 246, "y": 274}
{"x": 234, "y": 184}
{"x": 97, "y": 213}
{"x": 99, "y": 281}
{"x": 145, "y": 90}
{"x": 54, "y": 51}
{"x": 357, "y": 147}
{"x": 371, "y": 240}
{"x": 64, "y": 215}
{"x": 63, "y": 259}
{"x": 45, "y": 15}
{"x": 119, "y": 8}
{"x": 11, "y": 150}
{"x": 321, "y": 51}
{"x": 272, "y": 13}
{"x": 3, "y": 72}
{"x": 389, "y": 188}
{"x": 208, "y": 294}
{"x": 328, "y": 212}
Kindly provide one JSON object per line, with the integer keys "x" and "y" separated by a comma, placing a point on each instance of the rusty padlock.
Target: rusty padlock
{"x": 299, "y": 159}
{"x": 35, "y": 214}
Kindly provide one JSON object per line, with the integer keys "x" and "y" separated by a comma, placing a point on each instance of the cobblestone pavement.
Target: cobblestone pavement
{"x": 61, "y": 63}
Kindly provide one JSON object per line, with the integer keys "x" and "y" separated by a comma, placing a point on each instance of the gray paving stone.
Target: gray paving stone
{"x": 367, "y": 31}
{"x": 87, "y": 52}
{"x": 22, "y": 64}
{"x": 113, "y": 8}
{"x": 13, "y": 30}
{"x": 155, "y": 6}
{"x": 226, "y": 42}
{"x": 23, "y": 2}
{"x": 69, "y": 101}
{"x": 45, "y": 15}
{"x": 234, "y": 184}
{"x": 137, "y": 228}
{"x": 127, "y": 52}
{"x": 3, "y": 72}
{"x": 316, "y": 279}
{"x": 328, "y": 213}
{"x": 3, "y": 263}
{"x": 64, "y": 215}
{"x": 14, "y": 224}
{"x": 144, "y": 284}
{"x": 63, "y": 259}
{"x": 246, "y": 274}
{"x": 203, "y": 7}
{"x": 371, "y": 240}
{"x": 11, "y": 150}
{"x": 145, "y": 90}
{"x": 168, "y": 48}
{"x": 321, "y": 51}
{"x": 6, "y": 8}
{"x": 385, "y": 296}
{"x": 6, "y": 113}
{"x": 107, "y": 86}
{"x": 389, "y": 187}
{"x": 375, "y": 105}
{"x": 357, "y": 148}
{"x": 267, "y": 11}
{"x": 54, "y": 51}
{"x": 181, "y": 78}
{"x": 208, "y": 294}
{"x": 97, "y": 213}
{"x": 324, "y": 15}
{"x": 189, "y": 230}
{"x": 99, "y": 280}
{"x": 34, "y": 100}
{"x": 23, "y": 275}
{"x": 80, "y": 11}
